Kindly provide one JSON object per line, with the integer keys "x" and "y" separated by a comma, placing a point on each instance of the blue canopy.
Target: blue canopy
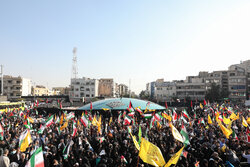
{"x": 121, "y": 104}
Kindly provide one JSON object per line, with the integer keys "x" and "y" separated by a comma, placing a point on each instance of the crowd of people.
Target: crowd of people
{"x": 105, "y": 140}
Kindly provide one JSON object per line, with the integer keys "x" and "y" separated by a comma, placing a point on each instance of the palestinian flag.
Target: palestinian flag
{"x": 101, "y": 139}
{"x": 49, "y": 121}
{"x": 1, "y": 132}
{"x": 124, "y": 159}
{"x": 41, "y": 129}
{"x": 127, "y": 120}
{"x": 27, "y": 124}
{"x": 66, "y": 149}
{"x": 84, "y": 121}
{"x": 185, "y": 114}
{"x": 74, "y": 129}
{"x": 174, "y": 116}
{"x": 234, "y": 135}
{"x": 184, "y": 133}
{"x": 36, "y": 160}
{"x": 130, "y": 109}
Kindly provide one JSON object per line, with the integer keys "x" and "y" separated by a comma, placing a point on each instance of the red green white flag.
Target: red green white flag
{"x": 49, "y": 121}
{"x": 1, "y": 132}
{"x": 185, "y": 114}
{"x": 84, "y": 121}
{"x": 127, "y": 120}
{"x": 36, "y": 160}
{"x": 74, "y": 129}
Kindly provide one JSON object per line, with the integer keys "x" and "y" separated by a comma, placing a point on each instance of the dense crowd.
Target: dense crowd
{"x": 110, "y": 143}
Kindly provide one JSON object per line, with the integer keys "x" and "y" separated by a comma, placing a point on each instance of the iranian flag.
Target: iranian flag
{"x": 20, "y": 114}
{"x": 131, "y": 114}
{"x": 127, "y": 120}
{"x": 157, "y": 117}
{"x": 234, "y": 135}
{"x": 1, "y": 132}
{"x": 74, "y": 129}
{"x": 185, "y": 114}
{"x": 36, "y": 160}
{"x": 119, "y": 117}
{"x": 49, "y": 121}
{"x": 137, "y": 109}
{"x": 146, "y": 116}
{"x": 84, "y": 121}
{"x": 152, "y": 122}
{"x": 184, "y": 133}
{"x": 70, "y": 116}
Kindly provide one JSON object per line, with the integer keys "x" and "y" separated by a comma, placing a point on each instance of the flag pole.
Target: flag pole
{"x": 138, "y": 160}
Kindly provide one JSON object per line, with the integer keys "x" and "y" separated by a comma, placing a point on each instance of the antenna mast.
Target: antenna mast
{"x": 74, "y": 64}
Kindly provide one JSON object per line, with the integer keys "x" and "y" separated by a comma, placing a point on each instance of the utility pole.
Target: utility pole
{"x": 129, "y": 88}
{"x": 1, "y": 80}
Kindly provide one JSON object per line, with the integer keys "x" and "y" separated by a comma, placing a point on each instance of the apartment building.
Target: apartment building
{"x": 83, "y": 89}
{"x": 15, "y": 87}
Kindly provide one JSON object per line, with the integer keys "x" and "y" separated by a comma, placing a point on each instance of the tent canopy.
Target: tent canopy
{"x": 121, "y": 104}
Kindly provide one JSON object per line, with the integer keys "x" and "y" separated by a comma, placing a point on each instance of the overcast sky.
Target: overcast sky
{"x": 141, "y": 40}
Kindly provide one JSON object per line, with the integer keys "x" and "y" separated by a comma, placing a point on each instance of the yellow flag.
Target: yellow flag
{"x": 226, "y": 120}
{"x": 25, "y": 140}
{"x": 237, "y": 117}
{"x": 201, "y": 106}
{"x": 176, "y": 134}
{"x": 232, "y": 116}
{"x": 31, "y": 120}
{"x": 105, "y": 109}
{"x": 209, "y": 119}
{"x": 166, "y": 116}
{"x": 248, "y": 120}
{"x": 226, "y": 132}
{"x": 217, "y": 115}
{"x": 99, "y": 124}
{"x": 64, "y": 125}
{"x": 244, "y": 122}
{"x": 151, "y": 154}
{"x": 135, "y": 142}
{"x": 94, "y": 121}
{"x": 62, "y": 118}
{"x": 174, "y": 159}
{"x": 6, "y": 110}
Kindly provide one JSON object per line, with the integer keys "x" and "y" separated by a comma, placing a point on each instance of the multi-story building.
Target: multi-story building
{"x": 193, "y": 87}
{"x": 106, "y": 87}
{"x": 83, "y": 89}
{"x": 40, "y": 90}
{"x": 15, "y": 87}
{"x": 219, "y": 78}
{"x": 164, "y": 91}
{"x": 150, "y": 89}
{"x": 122, "y": 90}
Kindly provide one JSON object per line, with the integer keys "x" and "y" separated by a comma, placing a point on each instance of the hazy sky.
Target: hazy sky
{"x": 141, "y": 40}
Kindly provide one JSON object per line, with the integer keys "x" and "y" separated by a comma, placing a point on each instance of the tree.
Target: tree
{"x": 216, "y": 93}
{"x": 144, "y": 95}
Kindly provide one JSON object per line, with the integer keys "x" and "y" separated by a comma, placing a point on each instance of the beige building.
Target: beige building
{"x": 40, "y": 90}
{"x": 106, "y": 87}
{"x": 15, "y": 87}
{"x": 61, "y": 90}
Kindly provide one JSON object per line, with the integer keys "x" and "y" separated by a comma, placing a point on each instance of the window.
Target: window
{"x": 232, "y": 74}
{"x": 87, "y": 95}
{"x": 87, "y": 89}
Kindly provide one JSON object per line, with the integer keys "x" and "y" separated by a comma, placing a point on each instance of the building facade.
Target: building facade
{"x": 83, "y": 89}
{"x": 40, "y": 90}
{"x": 15, "y": 87}
{"x": 122, "y": 90}
{"x": 106, "y": 87}
{"x": 164, "y": 91}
